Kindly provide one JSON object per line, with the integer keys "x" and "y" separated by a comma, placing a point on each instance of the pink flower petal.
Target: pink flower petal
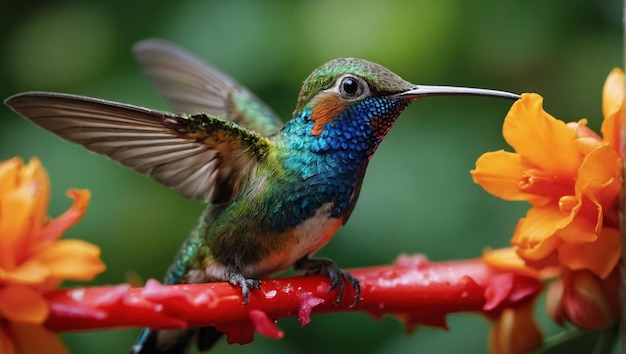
{"x": 156, "y": 292}
{"x": 498, "y": 289}
{"x": 307, "y": 303}
{"x": 264, "y": 325}
{"x": 114, "y": 296}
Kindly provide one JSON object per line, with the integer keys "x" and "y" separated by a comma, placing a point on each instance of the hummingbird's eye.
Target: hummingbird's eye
{"x": 351, "y": 87}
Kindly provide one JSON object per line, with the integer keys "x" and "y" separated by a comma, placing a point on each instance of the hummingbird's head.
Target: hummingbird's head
{"x": 350, "y": 80}
{"x": 366, "y": 94}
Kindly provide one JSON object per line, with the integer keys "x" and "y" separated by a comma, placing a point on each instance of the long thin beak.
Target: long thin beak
{"x": 425, "y": 91}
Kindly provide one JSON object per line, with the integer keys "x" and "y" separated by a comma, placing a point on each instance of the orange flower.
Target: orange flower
{"x": 571, "y": 177}
{"x": 32, "y": 258}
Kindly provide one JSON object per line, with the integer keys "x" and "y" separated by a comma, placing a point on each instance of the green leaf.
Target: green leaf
{"x": 581, "y": 341}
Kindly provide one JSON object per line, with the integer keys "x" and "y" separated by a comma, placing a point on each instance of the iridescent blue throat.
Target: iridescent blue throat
{"x": 331, "y": 165}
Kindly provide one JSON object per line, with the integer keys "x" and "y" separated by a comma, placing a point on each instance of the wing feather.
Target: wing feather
{"x": 193, "y": 86}
{"x": 199, "y": 155}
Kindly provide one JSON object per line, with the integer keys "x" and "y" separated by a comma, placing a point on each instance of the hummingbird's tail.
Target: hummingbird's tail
{"x": 174, "y": 341}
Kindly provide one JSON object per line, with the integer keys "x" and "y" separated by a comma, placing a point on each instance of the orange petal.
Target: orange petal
{"x": 500, "y": 173}
{"x": 507, "y": 259}
{"x": 600, "y": 256}
{"x": 22, "y": 304}
{"x": 541, "y": 138}
{"x": 515, "y": 331}
{"x": 36, "y": 174}
{"x": 586, "y": 139}
{"x": 534, "y": 236}
{"x": 9, "y": 170}
{"x": 583, "y": 224}
{"x": 16, "y": 210}
{"x": 71, "y": 259}
{"x": 30, "y": 272}
{"x": 600, "y": 176}
{"x": 56, "y": 227}
{"x": 35, "y": 339}
{"x": 504, "y": 258}
{"x": 613, "y": 108}
{"x": 583, "y": 131}
{"x": 597, "y": 193}
{"x": 23, "y": 208}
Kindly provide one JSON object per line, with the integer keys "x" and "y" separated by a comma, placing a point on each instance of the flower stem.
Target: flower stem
{"x": 416, "y": 290}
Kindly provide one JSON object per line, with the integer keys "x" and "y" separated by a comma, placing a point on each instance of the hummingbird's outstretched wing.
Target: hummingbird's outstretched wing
{"x": 193, "y": 86}
{"x": 200, "y": 156}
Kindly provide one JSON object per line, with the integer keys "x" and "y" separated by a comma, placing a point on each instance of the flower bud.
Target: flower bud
{"x": 590, "y": 302}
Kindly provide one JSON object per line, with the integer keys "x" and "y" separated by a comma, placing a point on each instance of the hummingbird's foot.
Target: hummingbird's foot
{"x": 328, "y": 268}
{"x": 246, "y": 284}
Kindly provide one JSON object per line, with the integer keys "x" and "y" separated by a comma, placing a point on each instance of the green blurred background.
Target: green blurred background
{"x": 418, "y": 196}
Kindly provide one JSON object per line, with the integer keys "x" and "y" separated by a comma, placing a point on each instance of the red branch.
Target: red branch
{"x": 416, "y": 290}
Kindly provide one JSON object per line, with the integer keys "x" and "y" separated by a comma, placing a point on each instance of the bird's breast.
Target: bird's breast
{"x": 258, "y": 253}
{"x": 309, "y": 236}
{"x": 294, "y": 243}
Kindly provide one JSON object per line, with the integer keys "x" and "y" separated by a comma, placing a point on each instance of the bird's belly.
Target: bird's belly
{"x": 306, "y": 238}
{"x": 288, "y": 247}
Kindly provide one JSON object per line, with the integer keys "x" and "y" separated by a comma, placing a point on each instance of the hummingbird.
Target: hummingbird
{"x": 275, "y": 193}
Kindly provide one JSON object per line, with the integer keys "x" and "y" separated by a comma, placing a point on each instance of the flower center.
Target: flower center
{"x": 539, "y": 182}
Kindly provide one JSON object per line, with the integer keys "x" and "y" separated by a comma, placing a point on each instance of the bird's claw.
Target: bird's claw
{"x": 246, "y": 284}
{"x": 327, "y": 268}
